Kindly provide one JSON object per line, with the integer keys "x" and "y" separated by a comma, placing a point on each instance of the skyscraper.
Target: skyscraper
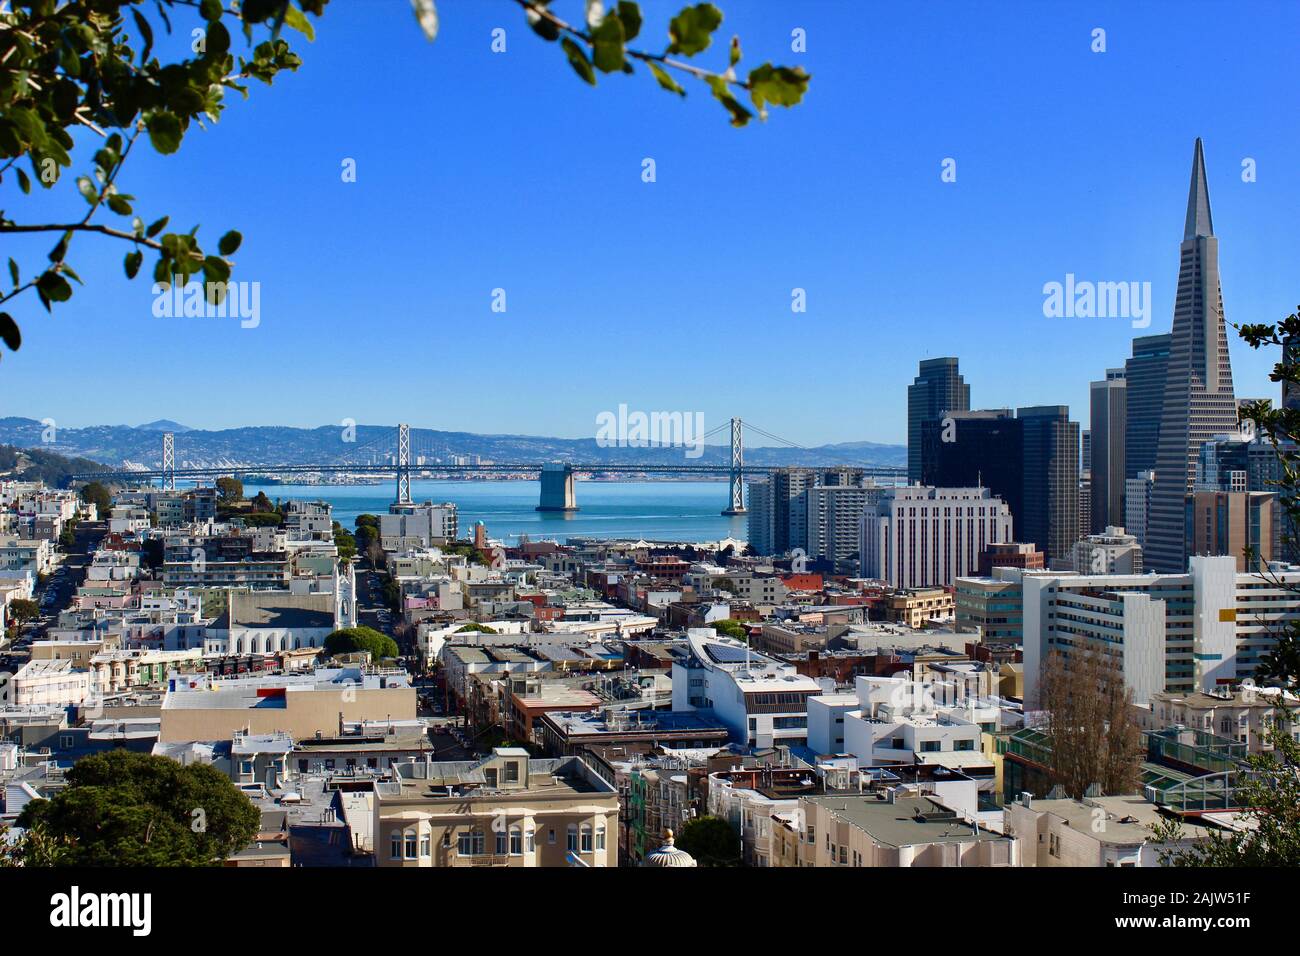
{"x": 1030, "y": 461}
{"x": 937, "y": 390}
{"x": 1050, "y": 512}
{"x": 1144, "y": 374}
{"x": 1109, "y": 406}
{"x": 1199, "y": 401}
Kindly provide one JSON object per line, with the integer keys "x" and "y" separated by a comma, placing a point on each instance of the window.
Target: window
{"x": 470, "y": 843}
{"x": 550, "y": 835}
{"x": 396, "y": 845}
{"x": 426, "y": 846}
{"x": 516, "y": 841}
{"x": 530, "y": 840}
{"x": 812, "y": 833}
{"x": 67, "y": 741}
{"x": 410, "y": 845}
{"x": 930, "y": 746}
{"x": 600, "y": 836}
{"x": 512, "y": 772}
{"x": 586, "y": 838}
{"x": 963, "y": 745}
{"x": 446, "y": 838}
{"x": 501, "y": 843}
{"x": 573, "y": 837}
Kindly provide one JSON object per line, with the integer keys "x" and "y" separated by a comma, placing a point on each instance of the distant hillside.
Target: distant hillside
{"x": 273, "y": 444}
{"x": 35, "y": 464}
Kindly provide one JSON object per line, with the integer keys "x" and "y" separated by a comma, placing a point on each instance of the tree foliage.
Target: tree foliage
{"x": 1090, "y": 726}
{"x": 1280, "y": 665}
{"x": 230, "y": 489}
{"x": 350, "y": 640}
{"x": 711, "y": 840}
{"x": 730, "y": 628}
{"x": 97, "y": 494}
{"x": 129, "y": 809}
{"x": 74, "y": 65}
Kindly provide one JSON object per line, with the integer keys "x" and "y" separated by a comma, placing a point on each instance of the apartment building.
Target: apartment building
{"x": 506, "y": 810}
{"x": 762, "y": 701}
{"x": 1094, "y": 831}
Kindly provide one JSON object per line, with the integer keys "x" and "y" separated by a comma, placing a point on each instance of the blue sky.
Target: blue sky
{"x": 478, "y": 171}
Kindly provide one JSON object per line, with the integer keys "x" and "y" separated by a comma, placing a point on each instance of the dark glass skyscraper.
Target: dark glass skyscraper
{"x": 1144, "y": 374}
{"x": 937, "y": 390}
{"x": 1199, "y": 402}
{"x": 1109, "y": 404}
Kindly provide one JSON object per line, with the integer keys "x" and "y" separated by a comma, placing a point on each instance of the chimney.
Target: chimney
{"x": 1026, "y": 798}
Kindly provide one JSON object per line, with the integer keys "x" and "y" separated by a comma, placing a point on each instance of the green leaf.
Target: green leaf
{"x": 54, "y": 287}
{"x": 13, "y": 272}
{"x": 779, "y": 85}
{"x": 210, "y": 9}
{"x": 735, "y": 50}
{"x": 666, "y": 81}
{"x": 630, "y": 14}
{"x": 87, "y": 188}
{"x": 216, "y": 270}
{"x": 578, "y": 60}
{"x": 165, "y": 132}
{"x": 228, "y": 243}
{"x": 293, "y": 18}
{"x": 24, "y": 183}
{"x": 146, "y": 34}
{"x": 132, "y": 263}
{"x": 607, "y": 45}
{"x": 119, "y": 204}
{"x": 426, "y": 14}
{"x": 9, "y": 332}
{"x": 692, "y": 29}
{"x": 722, "y": 92}
{"x": 156, "y": 227}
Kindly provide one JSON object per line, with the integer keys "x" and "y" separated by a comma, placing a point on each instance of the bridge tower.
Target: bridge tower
{"x": 169, "y": 461}
{"x": 737, "y": 478}
{"x": 557, "y": 489}
{"x": 404, "y": 464}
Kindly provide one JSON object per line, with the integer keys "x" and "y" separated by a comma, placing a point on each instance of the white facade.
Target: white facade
{"x": 928, "y": 537}
{"x": 762, "y": 701}
{"x": 1137, "y": 505}
{"x": 835, "y": 518}
{"x": 1169, "y": 632}
{"x": 1111, "y": 552}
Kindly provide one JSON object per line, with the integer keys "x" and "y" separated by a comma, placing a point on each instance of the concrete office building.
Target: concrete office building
{"x": 926, "y": 537}
{"x": 1168, "y": 632}
{"x": 937, "y": 390}
{"x": 1199, "y": 402}
{"x": 1111, "y": 552}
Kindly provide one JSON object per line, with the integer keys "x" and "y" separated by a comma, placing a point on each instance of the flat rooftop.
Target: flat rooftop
{"x": 909, "y": 821}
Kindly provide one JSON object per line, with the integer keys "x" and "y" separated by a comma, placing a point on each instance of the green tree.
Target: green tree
{"x": 262, "y": 503}
{"x": 1280, "y": 665}
{"x": 365, "y": 537}
{"x": 476, "y": 628}
{"x": 730, "y": 628}
{"x": 122, "y": 808}
{"x": 262, "y": 519}
{"x": 367, "y": 521}
{"x": 344, "y": 541}
{"x": 350, "y": 640}
{"x": 1270, "y": 793}
{"x": 21, "y": 610}
{"x": 89, "y": 65}
{"x": 97, "y": 494}
{"x": 711, "y": 840}
{"x": 68, "y": 535}
{"x": 230, "y": 489}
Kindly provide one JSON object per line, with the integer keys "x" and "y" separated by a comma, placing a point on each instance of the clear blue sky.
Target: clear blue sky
{"x": 479, "y": 170}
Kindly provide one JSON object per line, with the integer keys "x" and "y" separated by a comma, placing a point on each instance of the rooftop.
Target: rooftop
{"x": 908, "y": 821}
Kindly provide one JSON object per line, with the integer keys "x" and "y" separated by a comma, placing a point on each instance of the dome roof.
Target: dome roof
{"x": 668, "y": 854}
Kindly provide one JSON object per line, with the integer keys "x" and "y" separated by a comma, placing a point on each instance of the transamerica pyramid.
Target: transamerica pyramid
{"x": 1199, "y": 403}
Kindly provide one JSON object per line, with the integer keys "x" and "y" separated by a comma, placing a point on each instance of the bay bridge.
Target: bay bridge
{"x": 557, "y": 478}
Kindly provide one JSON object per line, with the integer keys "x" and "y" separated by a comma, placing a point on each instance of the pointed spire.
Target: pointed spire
{"x": 1199, "y": 222}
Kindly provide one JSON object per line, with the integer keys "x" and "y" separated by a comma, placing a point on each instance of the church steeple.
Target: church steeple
{"x": 1199, "y": 222}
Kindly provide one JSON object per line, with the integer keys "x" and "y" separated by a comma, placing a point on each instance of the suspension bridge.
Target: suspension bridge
{"x": 557, "y": 478}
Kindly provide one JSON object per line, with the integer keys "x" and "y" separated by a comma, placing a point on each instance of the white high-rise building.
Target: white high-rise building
{"x": 1137, "y": 505}
{"x": 1169, "y": 632}
{"x": 928, "y": 537}
{"x": 835, "y": 518}
{"x": 760, "y": 516}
